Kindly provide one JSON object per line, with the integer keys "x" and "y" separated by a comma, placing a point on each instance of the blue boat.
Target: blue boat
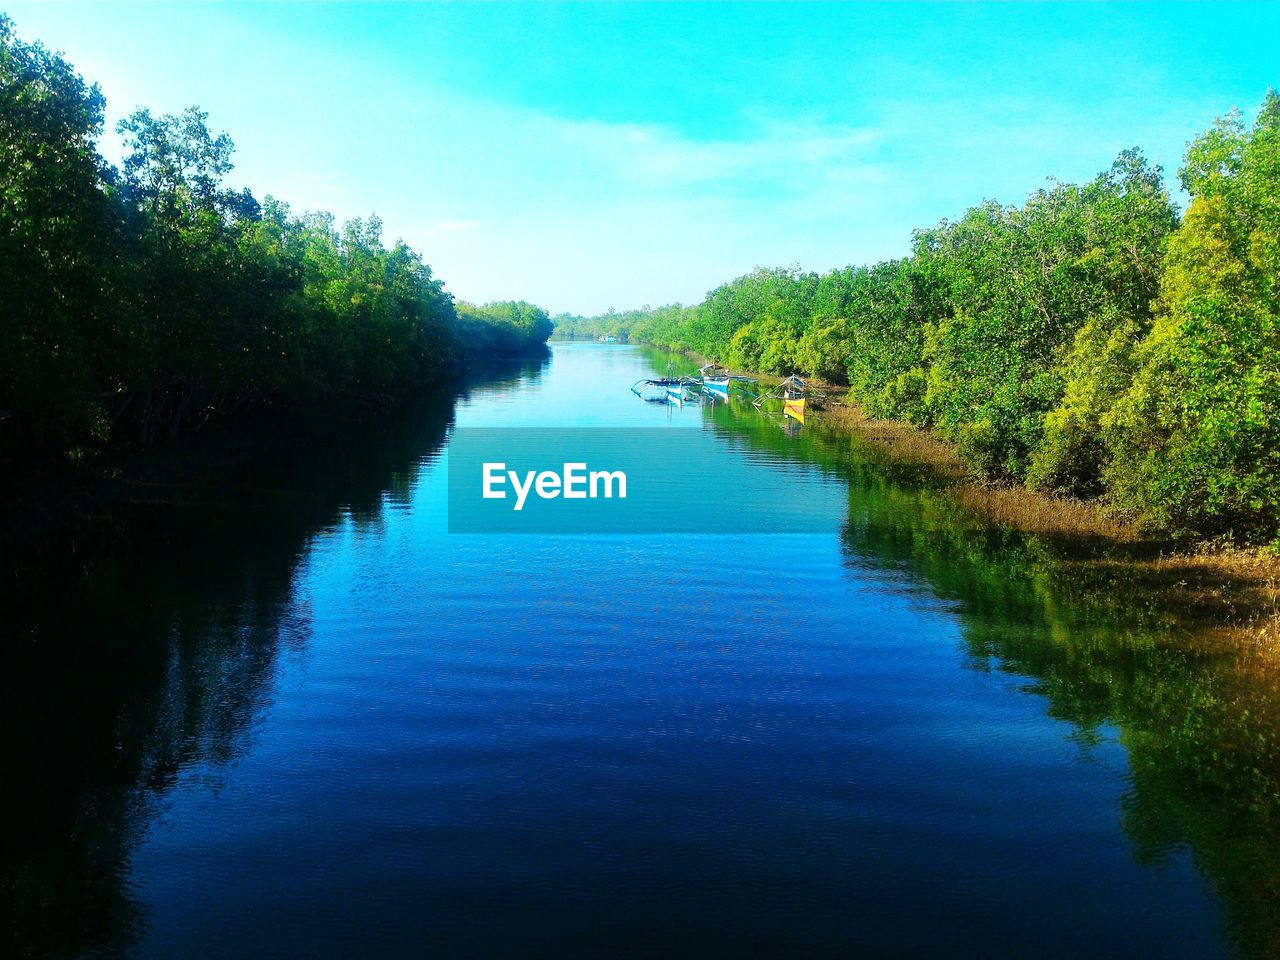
{"x": 715, "y": 379}
{"x": 663, "y": 389}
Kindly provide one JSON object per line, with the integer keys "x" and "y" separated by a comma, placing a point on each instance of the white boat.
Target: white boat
{"x": 715, "y": 379}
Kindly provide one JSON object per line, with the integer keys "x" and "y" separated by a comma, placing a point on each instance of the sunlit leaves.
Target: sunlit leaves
{"x": 135, "y": 302}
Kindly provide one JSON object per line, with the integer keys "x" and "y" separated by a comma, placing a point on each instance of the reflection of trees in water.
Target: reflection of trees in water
{"x": 1105, "y": 642}
{"x": 1197, "y": 709}
{"x": 1198, "y": 724}
{"x": 161, "y": 657}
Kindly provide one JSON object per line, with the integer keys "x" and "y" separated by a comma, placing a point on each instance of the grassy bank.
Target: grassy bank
{"x": 1219, "y": 590}
{"x": 1095, "y": 341}
{"x": 1214, "y": 592}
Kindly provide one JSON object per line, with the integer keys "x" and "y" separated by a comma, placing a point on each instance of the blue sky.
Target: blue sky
{"x": 584, "y": 156}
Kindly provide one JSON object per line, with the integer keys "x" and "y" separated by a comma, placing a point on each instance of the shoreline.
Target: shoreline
{"x": 1207, "y": 586}
{"x": 60, "y": 509}
{"x": 1211, "y": 588}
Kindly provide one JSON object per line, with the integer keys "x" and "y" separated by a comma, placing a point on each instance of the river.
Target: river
{"x": 307, "y": 720}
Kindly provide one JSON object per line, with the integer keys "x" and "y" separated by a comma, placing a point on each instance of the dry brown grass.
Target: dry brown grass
{"x": 1022, "y": 509}
{"x": 1242, "y": 584}
{"x": 1007, "y": 506}
{"x": 904, "y": 441}
{"x": 1230, "y": 593}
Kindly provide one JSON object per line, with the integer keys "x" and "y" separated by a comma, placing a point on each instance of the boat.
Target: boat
{"x": 663, "y": 389}
{"x": 714, "y": 379}
{"x": 794, "y": 396}
{"x": 668, "y": 389}
{"x": 792, "y": 393}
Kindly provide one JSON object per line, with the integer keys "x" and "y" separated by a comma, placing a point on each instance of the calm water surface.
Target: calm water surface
{"x": 319, "y": 725}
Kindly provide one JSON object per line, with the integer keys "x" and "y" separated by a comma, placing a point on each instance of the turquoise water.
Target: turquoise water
{"x": 315, "y": 723}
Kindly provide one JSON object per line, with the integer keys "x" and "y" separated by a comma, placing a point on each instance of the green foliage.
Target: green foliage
{"x": 1083, "y": 343}
{"x": 1197, "y": 437}
{"x": 1097, "y": 370}
{"x": 135, "y": 301}
{"x": 888, "y": 309}
{"x": 503, "y": 329}
{"x": 56, "y": 240}
{"x": 1020, "y": 283}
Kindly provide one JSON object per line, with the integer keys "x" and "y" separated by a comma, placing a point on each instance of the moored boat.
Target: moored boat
{"x": 794, "y": 409}
{"x": 794, "y": 396}
{"x": 661, "y": 389}
{"x": 715, "y": 379}
{"x": 668, "y": 389}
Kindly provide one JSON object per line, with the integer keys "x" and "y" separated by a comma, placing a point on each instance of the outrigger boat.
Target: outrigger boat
{"x": 663, "y": 389}
{"x": 793, "y": 399}
{"x": 794, "y": 396}
{"x": 668, "y": 389}
{"x": 715, "y": 379}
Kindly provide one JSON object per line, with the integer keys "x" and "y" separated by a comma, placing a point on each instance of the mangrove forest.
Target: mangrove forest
{"x": 1095, "y": 341}
{"x": 138, "y": 299}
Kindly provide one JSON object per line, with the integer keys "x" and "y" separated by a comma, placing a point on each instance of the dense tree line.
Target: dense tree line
{"x": 1090, "y": 342}
{"x": 505, "y": 328}
{"x": 136, "y": 299}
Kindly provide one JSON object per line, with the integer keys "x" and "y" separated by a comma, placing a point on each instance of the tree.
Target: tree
{"x": 135, "y": 302}
{"x": 57, "y": 244}
{"x": 1196, "y": 440}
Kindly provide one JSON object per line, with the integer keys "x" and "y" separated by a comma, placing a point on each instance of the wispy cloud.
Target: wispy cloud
{"x": 614, "y": 157}
{"x": 784, "y": 154}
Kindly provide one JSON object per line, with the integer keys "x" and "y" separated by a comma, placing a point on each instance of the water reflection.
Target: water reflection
{"x": 1196, "y": 710}
{"x": 162, "y": 653}
{"x": 166, "y": 654}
